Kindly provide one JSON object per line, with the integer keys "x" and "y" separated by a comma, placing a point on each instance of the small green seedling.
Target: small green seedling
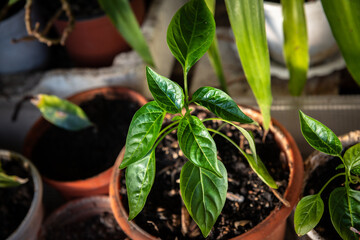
{"x": 7, "y": 181}
{"x": 344, "y": 202}
{"x": 189, "y": 36}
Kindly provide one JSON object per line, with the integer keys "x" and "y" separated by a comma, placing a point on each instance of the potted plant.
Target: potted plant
{"x": 336, "y": 171}
{"x": 21, "y": 191}
{"x": 81, "y": 160}
{"x": 203, "y": 178}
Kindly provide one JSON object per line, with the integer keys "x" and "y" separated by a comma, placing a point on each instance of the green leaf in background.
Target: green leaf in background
{"x": 352, "y": 159}
{"x": 7, "y": 181}
{"x": 344, "y": 207}
{"x": 190, "y": 33}
{"x": 11, "y": 2}
{"x": 204, "y": 194}
{"x": 248, "y": 24}
{"x": 143, "y": 132}
{"x": 197, "y": 144}
{"x": 319, "y": 136}
{"x": 296, "y": 49}
{"x": 122, "y": 16}
{"x": 139, "y": 180}
{"x": 168, "y": 94}
{"x": 308, "y": 213}
{"x": 214, "y": 55}
{"x": 260, "y": 169}
{"x": 61, "y": 113}
{"x": 344, "y": 18}
{"x": 220, "y": 104}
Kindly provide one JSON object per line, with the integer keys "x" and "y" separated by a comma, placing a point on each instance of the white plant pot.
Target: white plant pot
{"x": 322, "y": 44}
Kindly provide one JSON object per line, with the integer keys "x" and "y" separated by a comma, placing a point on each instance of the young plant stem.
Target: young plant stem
{"x": 337, "y": 175}
{"x": 163, "y": 136}
{"x": 186, "y": 92}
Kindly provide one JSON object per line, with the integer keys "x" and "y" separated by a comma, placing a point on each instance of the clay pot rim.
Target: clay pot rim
{"x": 292, "y": 192}
{"x": 36, "y": 202}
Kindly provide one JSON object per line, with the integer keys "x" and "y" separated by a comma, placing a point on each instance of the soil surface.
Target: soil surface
{"x": 249, "y": 200}
{"x": 98, "y": 227}
{"x": 15, "y": 202}
{"x": 315, "y": 182}
{"x": 65, "y": 155}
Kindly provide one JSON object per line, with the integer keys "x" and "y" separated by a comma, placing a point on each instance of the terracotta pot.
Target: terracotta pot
{"x": 95, "y": 42}
{"x": 318, "y": 159}
{"x": 273, "y": 227}
{"x": 30, "y": 225}
{"x": 95, "y": 185}
{"x": 75, "y": 211}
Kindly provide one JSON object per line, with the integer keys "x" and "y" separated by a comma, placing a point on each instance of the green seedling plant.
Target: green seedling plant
{"x": 7, "y": 181}
{"x": 203, "y": 179}
{"x": 344, "y": 202}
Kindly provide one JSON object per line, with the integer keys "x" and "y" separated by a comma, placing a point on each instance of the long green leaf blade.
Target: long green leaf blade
{"x": 319, "y": 136}
{"x": 7, "y": 181}
{"x": 352, "y": 159}
{"x": 204, "y": 194}
{"x": 248, "y": 24}
{"x": 61, "y": 113}
{"x": 220, "y": 104}
{"x": 308, "y": 213}
{"x": 190, "y": 33}
{"x": 260, "y": 169}
{"x": 197, "y": 144}
{"x": 122, "y": 16}
{"x": 139, "y": 180}
{"x": 344, "y": 207}
{"x": 168, "y": 94}
{"x": 344, "y": 18}
{"x": 296, "y": 49}
{"x": 143, "y": 132}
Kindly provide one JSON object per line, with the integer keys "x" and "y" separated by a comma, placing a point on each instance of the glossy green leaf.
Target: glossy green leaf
{"x": 352, "y": 158}
{"x": 197, "y": 144}
{"x": 220, "y": 104}
{"x": 319, "y": 136}
{"x": 204, "y": 194}
{"x": 340, "y": 166}
{"x": 139, "y": 177}
{"x": 168, "y": 94}
{"x": 191, "y": 32}
{"x": 122, "y": 16}
{"x": 61, "y": 113}
{"x": 344, "y": 17}
{"x": 260, "y": 169}
{"x": 143, "y": 132}
{"x": 308, "y": 213}
{"x": 344, "y": 208}
{"x": 248, "y": 24}
{"x": 296, "y": 49}
{"x": 7, "y": 181}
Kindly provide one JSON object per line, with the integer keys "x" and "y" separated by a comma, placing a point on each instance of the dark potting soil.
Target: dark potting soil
{"x": 249, "y": 200}
{"x": 15, "y": 202}
{"x": 67, "y": 156}
{"x": 98, "y": 227}
{"x": 315, "y": 182}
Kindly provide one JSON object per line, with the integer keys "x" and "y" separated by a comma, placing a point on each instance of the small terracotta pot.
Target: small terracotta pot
{"x": 95, "y": 42}
{"x": 272, "y": 227}
{"x": 95, "y": 185}
{"x": 75, "y": 211}
{"x": 31, "y": 224}
{"x": 318, "y": 159}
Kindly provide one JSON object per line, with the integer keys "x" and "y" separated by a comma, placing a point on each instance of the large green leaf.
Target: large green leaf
{"x": 139, "y": 180}
{"x": 296, "y": 49}
{"x": 220, "y": 104}
{"x": 197, "y": 144}
{"x": 61, "y": 113}
{"x": 191, "y": 32}
{"x": 248, "y": 24}
{"x": 204, "y": 194}
{"x": 143, "y": 132}
{"x": 308, "y": 213}
{"x": 319, "y": 136}
{"x": 344, "y": 18}
{"x": 260, "y": 169}
{"x": 352, "y": 159}
{"x": 344, "y": 208}
{"x": 122, "y": 16}
{"x": 166, "y": 93}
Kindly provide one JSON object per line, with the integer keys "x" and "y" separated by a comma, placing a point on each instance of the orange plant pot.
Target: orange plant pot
{"x": 271, "y": 228}
{"x": 95, "y": 185}
{"x": 95, "y": 42}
